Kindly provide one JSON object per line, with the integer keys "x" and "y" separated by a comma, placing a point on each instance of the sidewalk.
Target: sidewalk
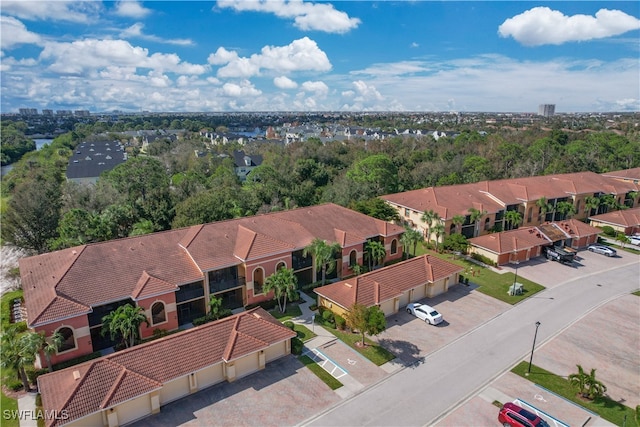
{"x": 27, "y": 406}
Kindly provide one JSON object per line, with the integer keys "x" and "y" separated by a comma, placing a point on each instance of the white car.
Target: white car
{"x": 635, "y": 239}
{"x": 424, "y": 312}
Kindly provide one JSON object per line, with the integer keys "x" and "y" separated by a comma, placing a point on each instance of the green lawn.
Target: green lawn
{"x": 325, "y": 376}
{"x": 292, "y": 310}
{"x": 637, "y": 293}
{"x": 608, "y": 409}
{"x": 377, "y": 354}
{"x": 6, "y": 305}
{"x": 304, "y": 333}
{"x": 9, "y": 404}
{"x": 490, "y": 283}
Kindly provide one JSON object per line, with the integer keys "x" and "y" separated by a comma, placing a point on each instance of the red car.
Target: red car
{"x": 511, "y": 415}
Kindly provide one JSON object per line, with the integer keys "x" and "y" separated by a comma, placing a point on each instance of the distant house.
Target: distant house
{"x": 245, "y": 163}
{"x": 90, "y": 159}
{"x": 391, "y": 288}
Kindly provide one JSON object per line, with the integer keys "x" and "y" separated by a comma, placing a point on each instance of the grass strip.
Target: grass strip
{"x": 374, "y": 352}
{"x": 325, "y": 376}
{"x": 607, "y": 408}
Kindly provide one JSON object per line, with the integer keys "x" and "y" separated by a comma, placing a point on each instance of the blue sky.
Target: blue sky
{"x": 284, "y": 55}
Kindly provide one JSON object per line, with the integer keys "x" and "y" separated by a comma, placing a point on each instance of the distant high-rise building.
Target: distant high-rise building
{"x": 28, "y": 111}
{"x": 47, "y": 112}
{"x": 546, "y": 110}
{"x": 81, "y": 113}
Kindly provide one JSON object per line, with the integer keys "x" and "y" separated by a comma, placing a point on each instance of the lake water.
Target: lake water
{"x": 39, "y": 144}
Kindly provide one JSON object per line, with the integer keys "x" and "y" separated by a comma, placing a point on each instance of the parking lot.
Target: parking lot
{"x": 463, "y": 309}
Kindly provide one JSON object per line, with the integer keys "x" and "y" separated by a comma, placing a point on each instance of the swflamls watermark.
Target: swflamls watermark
{"x": 32, "y": 414}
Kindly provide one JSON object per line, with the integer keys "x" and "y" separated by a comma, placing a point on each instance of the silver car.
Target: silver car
{"x": 604, "y": 250}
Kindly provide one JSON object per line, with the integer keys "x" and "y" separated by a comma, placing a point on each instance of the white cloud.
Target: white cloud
{"x": 135, "y": 31}
{"x": 367, "y": 92}
{"x": 58, "y": 10}
{"x": 300, "y": 55}
{"x": 395, "y": 68}
{"x": 14, "y": 33}
{"x": 306, "y": 16}
{"x": 318, "y": 88}
{"x": 86, "y": 55}
{"x": 541, "y": 25}
{"x": 284, "y": 82}
{"x": 131, "y": 9}
{"x": 414, "y": 44}
{"x": 244, "y": 89}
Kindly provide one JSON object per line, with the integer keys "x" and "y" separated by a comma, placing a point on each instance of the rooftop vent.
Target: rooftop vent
{"x": 76, "y": 375}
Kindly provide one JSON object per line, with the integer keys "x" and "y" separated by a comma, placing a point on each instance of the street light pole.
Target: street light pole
{"x": 533, "y": 348}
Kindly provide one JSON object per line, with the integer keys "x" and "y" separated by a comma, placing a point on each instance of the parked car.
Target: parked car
{"x": 635, "y": 239}
{"x": 425, "y": 312}
{"x": 604, "y": 250}
{"x": 511, "y": 415}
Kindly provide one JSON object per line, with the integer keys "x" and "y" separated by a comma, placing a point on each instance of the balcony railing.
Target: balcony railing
{"x": 226, "y": 283}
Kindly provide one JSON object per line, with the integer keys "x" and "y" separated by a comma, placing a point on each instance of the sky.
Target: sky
{"x": 294, "y": 55}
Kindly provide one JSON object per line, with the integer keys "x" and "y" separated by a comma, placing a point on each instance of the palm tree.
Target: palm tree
{"x": 124, "y": 321}
{"x": 429, "y": 217}
{"x": 566, "y": 209}
{"x": 376, "y": 252}
{"x": 587, "y": 384}
{"x": 323, "y": 255}
{"x": 438, "y": 230}
{"x": 591, "y": 204}
{"x": 513, "y": 219}
{"x": 476, "y": 215}
{"x": 18, "y": 351}
{"x": 458, "y": 220}
{"x": 284, "y": 284}
{"x": 632, "y": 197}
{"x": 609, "y": 200}
{"x": 410, "y": 239}
{"x": 544, "y": 208}
{"x": 50, "y": 346}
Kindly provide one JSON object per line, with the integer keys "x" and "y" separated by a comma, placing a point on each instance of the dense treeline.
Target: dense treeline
{"x": 13, "y": 142}
{"x": 174, "y": 188}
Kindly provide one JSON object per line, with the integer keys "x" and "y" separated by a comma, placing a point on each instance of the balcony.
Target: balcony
{"x": 225, "y": 284}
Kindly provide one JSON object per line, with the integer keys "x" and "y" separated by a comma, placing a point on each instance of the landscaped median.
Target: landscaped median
{"x": 606, "y": 408}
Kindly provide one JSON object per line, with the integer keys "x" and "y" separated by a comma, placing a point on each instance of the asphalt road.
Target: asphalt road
{"x": 423, "y": 394}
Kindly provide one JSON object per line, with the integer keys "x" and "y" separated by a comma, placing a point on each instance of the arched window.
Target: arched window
{"x": 280, "y": 265}
{"x": 258, "y": 280}
{"x": 530, "y": 216}
{"x": 69, "y": 342}
{"x": 158, "y": 314}
{"x": 578, "y": 206}
{"x": 486, "y": 224}
{"x": 353, "y": 258}
{"x": 394, "y": 246}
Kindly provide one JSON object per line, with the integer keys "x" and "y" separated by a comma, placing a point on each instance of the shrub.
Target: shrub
{"x": 288, "y": 324}
{"x": 14, "y": 385}
{"x": 76, "y": 361}
{"x": 296, "y": 346}
{"x": 328, "y": 317}
{"x": 313, "y": 307}
{"x": 482, "y": 259}
{"x": 159, "y": 333}
{"x": 33, "y": 374}
{"x": 340, "y": 322}
{"x": 609, "y": 231}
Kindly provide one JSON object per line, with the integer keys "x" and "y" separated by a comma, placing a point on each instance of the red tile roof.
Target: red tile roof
{"x": 124, "y": 375}
{"x": 575, "y": 228}
{"x": 494, "y": 196}
{"x": 389, "y": 282}
{"x": 69, "y": 282}
{"x": 510, "y": 241}
{"x": 624, "y": 218}
{"x": 626, "y": 174}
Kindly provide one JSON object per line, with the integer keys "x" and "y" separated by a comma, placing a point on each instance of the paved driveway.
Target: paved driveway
{"x": 462, "y": 308}
{"x": 283, "y": 394}
{"x": 550, "y": 273}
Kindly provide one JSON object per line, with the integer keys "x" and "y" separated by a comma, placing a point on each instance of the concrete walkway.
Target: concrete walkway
{"x": 27, "y": 409}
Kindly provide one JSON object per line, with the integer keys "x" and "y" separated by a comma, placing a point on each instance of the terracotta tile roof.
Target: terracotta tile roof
{"x": 381, "y": 285}
{"x": 124, "y": 375}
{"x": 625, "y": 218}
{"x": 69, "y": 282}
{"x": 628, "y": 174}
{"x": 494, "y": 196}
{"x": 510, "y": 241}
{"x": 577, "y": 229}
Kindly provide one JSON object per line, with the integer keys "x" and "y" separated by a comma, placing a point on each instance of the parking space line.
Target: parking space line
{"x": 321, "y": 359}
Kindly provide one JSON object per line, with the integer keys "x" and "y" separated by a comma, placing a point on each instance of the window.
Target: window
{"x": 486, "y": 224}
{"x": 158, "y": 314}
{"x": 394, "y": 246}
{"x": 406, "y": 212}
{"x": 280, "y": 265}
{"x": 258, "y": 280}
{"x": 69, "y": 342}
{"x": 353, "y": 258}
